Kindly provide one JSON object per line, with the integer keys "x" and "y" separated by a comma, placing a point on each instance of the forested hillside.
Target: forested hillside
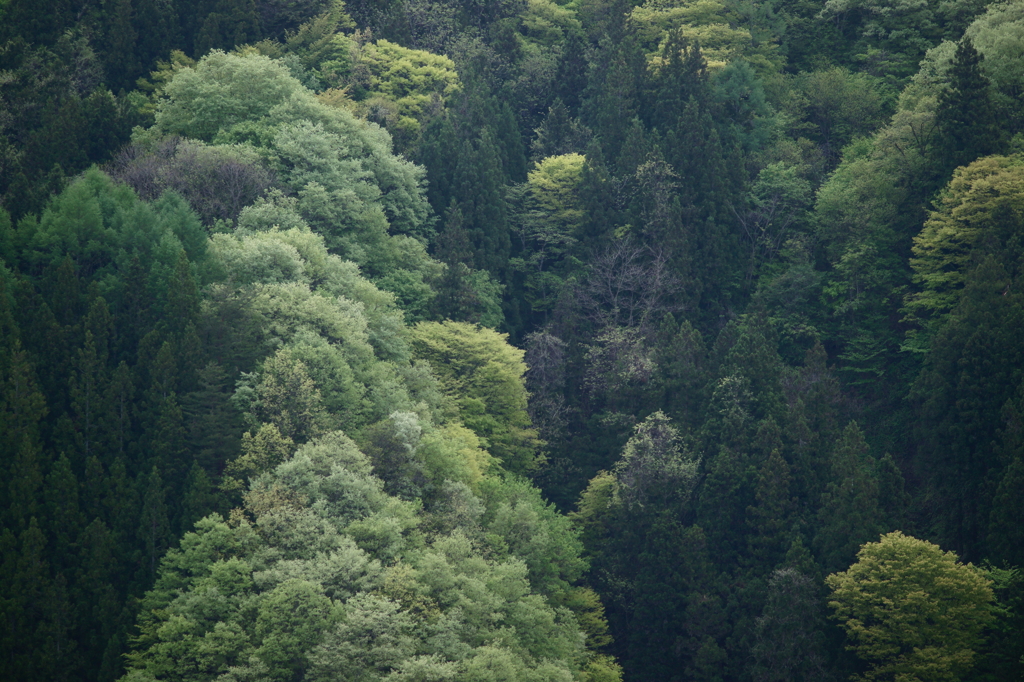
{"x": 502, "y": 340}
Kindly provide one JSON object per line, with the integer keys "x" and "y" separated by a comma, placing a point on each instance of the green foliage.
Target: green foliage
{"x": 653, "y": 465}
{"x": 322, "y": 572}
{"x": 412, "y": 81}
{"x": 973, "y": 216}
{"x": 965, "y": 113}
{"x": 484, "y": 374}
{"x": 724, "y": 203}
{"x": 911, "y": 610}
{"x": 706, "y": 23}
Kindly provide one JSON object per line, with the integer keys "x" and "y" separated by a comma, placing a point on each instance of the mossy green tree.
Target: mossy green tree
{"x": 911, "y": 611}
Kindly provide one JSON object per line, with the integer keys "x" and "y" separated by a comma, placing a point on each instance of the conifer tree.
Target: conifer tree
{"x": 231, "y": 23}
{"x": 770, "y": 519}
{"x": 849, "y": 514}
{"x": 966, "y": 114}
{"x": 154, "y": 528}
{"x": 119, "y": 44}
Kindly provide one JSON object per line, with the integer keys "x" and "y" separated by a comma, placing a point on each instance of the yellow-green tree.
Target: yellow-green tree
{"x": 912, "y": 612}
{"x": 980, "y": 208}
{"x": 483, "y": 373}
{"x": 386, "y": 75}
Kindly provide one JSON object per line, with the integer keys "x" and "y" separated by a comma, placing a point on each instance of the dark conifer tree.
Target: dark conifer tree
{"x": 119, "y": 45}
{"x": 571, "y": 77}
{"x": 157, "y": 30}
{"x": 966, "y": 115}
{"x": 99, "y": 601}
{"x": 597, "y": 199}
{"x": 849, "y": 514}
{"x": 961, "y": 396}
{"x": 199, "y": 499}
{"x": 64, "y": 516}
{"x": 455, "y": 298}
{"x": 681, "y": 75}
{"x": 558, "y": 134}
{"x": 770, "y": 519}
{"x": 614, "y": 93}
{"x": 230, "y": 23}
{"x": 154, "y": 528}
{"x": 435, "y": 153}
{"x": 478, "y": 187}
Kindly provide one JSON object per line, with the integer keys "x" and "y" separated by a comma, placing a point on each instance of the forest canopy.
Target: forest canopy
{"x": 481, "y": 340}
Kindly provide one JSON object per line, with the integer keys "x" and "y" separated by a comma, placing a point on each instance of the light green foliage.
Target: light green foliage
{"x": 895, "y": 35}
{"x": 980, "y": 203}
{"x": 653, "y": 463}
{"x": 317, "y": 44}
{"x": 352, "y": 188}
{"x": 779, "y": 199}
{"x": 710, "y": 23}
{"x": 261, "y": 452}
{"x": 858, "y": 215}
{"x": 998, "y": 34}
{"x": 287, "y": 398}
{"x": 551, "y": 223}
{"x": 546, "y": 23}
{"x": 911, "y": 611}
{"x": 323, "y": 575}
{"x": 554, "y": 187}
{"x": 534, "y": 531}
{"x": 222, "y": 90}
{"x": 408, "y": 79}
{"x": 277, "y": 256}
{"x": 102, "y": 227}
{"x": 838, "y": 106}
{"x": 484, "y": 374}
{"x": 454, "y": 453}
{"x": 347, "y": 333}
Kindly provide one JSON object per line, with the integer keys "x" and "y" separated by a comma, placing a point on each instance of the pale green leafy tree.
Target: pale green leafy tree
{"x": 323, "y": 576}
{"x": 709, "y": 23}
{"x": 484, "y": 373}
{"x": 411, "y": 80}
{"x": 912, "y": 612}
{"x": 981, "y": 202}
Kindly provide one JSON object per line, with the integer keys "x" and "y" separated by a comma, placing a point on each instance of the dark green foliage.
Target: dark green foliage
{"x": 966, "y": 114}
{"x": 230, "y": 23}
{"x": 961, "y": 401}
{"x": 726, "y": 277}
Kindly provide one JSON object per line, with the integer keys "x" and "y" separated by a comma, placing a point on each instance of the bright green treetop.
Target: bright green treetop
{"x": 484, "y": 372}
{"x": 980, "y": 199}
{"x": 910, "y": 610}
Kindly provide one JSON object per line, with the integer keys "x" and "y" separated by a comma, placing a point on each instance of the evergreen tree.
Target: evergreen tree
{"x": 789, "y": 633}
{"x": 616, "y": 86}
{"x": 119, "y": 44}
{"x": 966, "y": 114}
{"x": 849, "y": 514}
{"x": 230, "y": 23}
{"x": 63, "y": 513}
{"x": 157, "y": 30}
{"x": 571, "y": 77}
{"x": 770, "y": 519}
{"x": 154, "y": 529}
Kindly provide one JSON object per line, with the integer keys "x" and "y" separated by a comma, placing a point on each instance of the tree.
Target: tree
{"x": 966, "y": 114}
{"x": 849, "y": 513}
{"x": 550, "y": 227}
{"x": 653, "y": 462}
{"x": 789, "y": 633}
{"x": 484, "y": 373}
{"x": 979, "y": 211}
{"x": 911, "y": 611}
